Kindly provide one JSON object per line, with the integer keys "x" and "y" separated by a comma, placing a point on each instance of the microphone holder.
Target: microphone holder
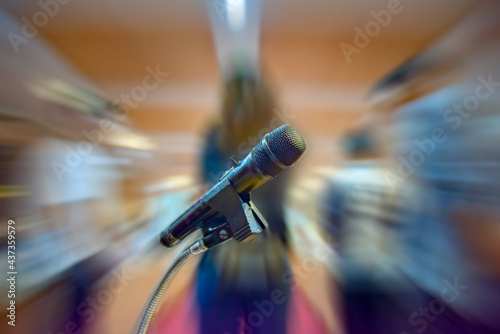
{"x": 236, "y": 218}
{"x": 222, "y": 203}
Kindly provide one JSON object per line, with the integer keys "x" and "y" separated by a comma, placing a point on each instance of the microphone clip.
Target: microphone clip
{"x": 236, "y": 216}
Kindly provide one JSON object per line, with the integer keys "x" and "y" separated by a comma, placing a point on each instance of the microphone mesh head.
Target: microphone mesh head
{"x": 286, "y": 144}
{"x": 264, "y": 161}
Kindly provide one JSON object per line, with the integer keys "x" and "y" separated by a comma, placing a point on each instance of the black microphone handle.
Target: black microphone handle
{"x": 187, "y": 222}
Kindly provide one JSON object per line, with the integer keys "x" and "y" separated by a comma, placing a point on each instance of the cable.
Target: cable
{"x": 196, "y": 248}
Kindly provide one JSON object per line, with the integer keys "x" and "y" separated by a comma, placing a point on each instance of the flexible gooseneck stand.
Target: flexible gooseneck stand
{"x": 196, "y": 248}
{"x": 237, "y": 214}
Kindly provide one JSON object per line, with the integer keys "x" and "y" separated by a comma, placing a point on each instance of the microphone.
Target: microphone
{"x": 230, "y": 199}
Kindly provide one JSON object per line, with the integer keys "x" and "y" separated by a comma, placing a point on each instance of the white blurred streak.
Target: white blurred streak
{"x": 236, "y": 10}
{"x": 236, "y": 28}
{"x": 172, "y": 183}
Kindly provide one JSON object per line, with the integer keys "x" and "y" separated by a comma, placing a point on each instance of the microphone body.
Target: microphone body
{"x": 230, "y": 199}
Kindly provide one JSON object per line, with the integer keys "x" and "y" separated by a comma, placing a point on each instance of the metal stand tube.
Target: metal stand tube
{"x": 196, "y": 248}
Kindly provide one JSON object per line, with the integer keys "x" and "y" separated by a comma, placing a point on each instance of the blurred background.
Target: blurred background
{"x": 116, "y": 115}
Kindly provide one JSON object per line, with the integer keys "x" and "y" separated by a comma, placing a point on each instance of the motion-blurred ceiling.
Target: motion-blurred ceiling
{"x": 113, "y": 41}
{"x": 280, "y": 16}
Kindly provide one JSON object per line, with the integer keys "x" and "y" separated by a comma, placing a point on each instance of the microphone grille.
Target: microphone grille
{"x": 286, "y": 144}
{"x": 264, "y": 161}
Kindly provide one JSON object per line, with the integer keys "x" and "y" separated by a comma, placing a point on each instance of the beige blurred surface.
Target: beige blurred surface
{"x": 112, "y": 42}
